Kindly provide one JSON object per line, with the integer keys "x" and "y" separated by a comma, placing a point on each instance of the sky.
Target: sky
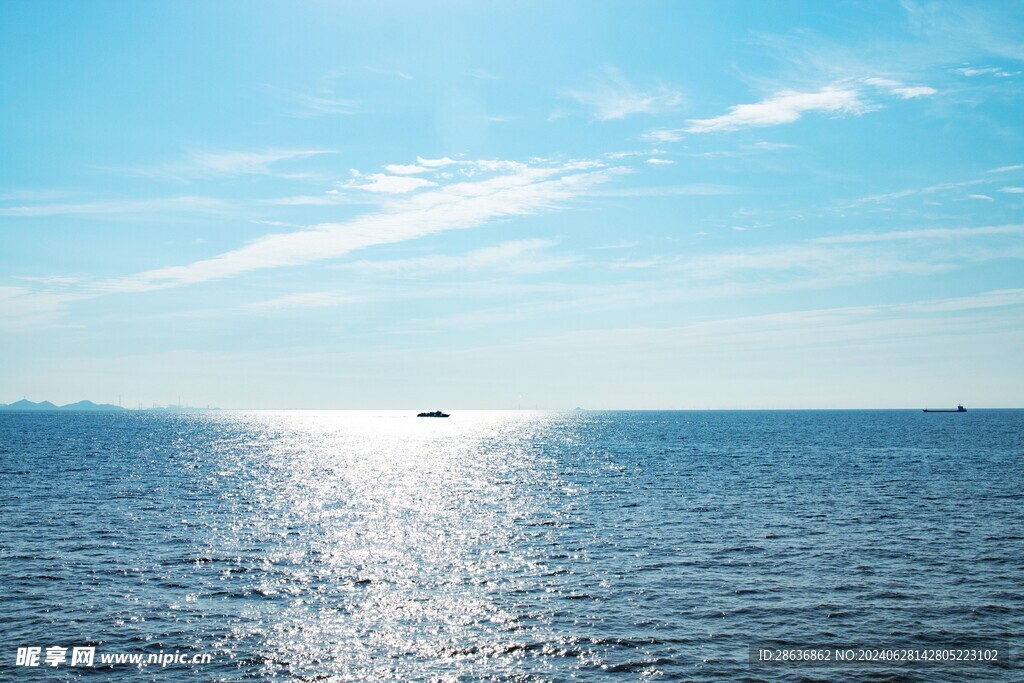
{"x": 651, "y": 205}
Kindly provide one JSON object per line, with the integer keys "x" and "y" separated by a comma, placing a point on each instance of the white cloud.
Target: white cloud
{"x": 436, "y": 163}
{"x": 911, "y": 92}
{"x": 302, "y": 300}
{"x": 239, "y": 163}
{"x": 911, "y": 192}
{"x": 664, "y": 135}
{"x": 457, "y": 206}
{"x": 835, "y": 265}
{"x": 839, "y": 260}
{"x": 518, "y": 256}
{"x": 329, "y": 198}
{"x": 389, "y": 72}
{"x": 979, "y": 196}
{"x": 691, "y": 190}
{"x": 22, "y": 309}
{"x": 1005, "y": 169}
{"x": 979, "y": 71}
{"x": 994, "y": 299}
{"x": 654, "y": 161}
{"x": 611, "y": 96}
{"x": 986, "y": 70}
{"x": 323, "y": 105}
{"x": 886, "y": 83}
{"x": 214, "y": 163}
{"x": 897, "y": 88}
{"x": 769, "y": 146}
{"x": 1012, "y": 190}
{"x": 500, "y": 165}
{"x": 49, "y": 280}
{"x": 929, "y": 234}
{"x": 405, "y": 169}
{"x": 389, "y": 184}
{"x": 634, "y": 153}
{"x": 783, "y": 107}
{"x": 826, "y": 327}
{"x": 184, "y": 204}
{"x": 483, "y": 75}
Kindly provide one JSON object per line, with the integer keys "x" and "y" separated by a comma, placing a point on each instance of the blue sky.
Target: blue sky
{"x": 492, "y": 205}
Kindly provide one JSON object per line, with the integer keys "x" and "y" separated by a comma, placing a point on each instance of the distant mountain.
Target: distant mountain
{"x": 29, "y": 405}
{"x": 89, "y": 405}
{"x": 46, "y": 405}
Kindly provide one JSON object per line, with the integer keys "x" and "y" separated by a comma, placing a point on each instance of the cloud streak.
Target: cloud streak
{"x": 518, "y": 256}
{"x": 786, "y": 106}
{"x": 612, "y": 97}
{"x": 842, "y": 98}
{"x": 182, "y": 204}
{"x": 22, "y": 309}
{"x": 457, "y": 206}
{"x": 897, "y": 88}
{"x": 302, "y": 300}
{"x": 389, "y": 184}
{"x": 226, "y": 163}
{"x": 925, "y": 234}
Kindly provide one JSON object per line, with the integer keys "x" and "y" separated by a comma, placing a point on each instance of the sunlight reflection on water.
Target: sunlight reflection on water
{"x": 356, "y": 546}
{"x": 383, "y": 537}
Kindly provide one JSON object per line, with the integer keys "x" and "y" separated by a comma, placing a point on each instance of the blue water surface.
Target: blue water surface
{"x": 510, "y": 546}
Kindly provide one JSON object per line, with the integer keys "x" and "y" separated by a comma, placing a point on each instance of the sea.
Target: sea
{"x": 512, "y": 546}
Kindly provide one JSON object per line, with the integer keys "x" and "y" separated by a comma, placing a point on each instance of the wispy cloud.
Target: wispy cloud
{"x": 977, "y": 71}
{"x": 405, "y": 169}
{"x": 768, "y": 146}
{"x": 970, "y": 29}
{"x": 911, "y": 192}
{"x": 794, "y": 262}
{"x": 388, "y": 184}
{"x": 655, "y": 161}
{"x": 824, "y": 328}
{"x": 324, "y": 104}
{"x": 1012, "y": 190}
{"x": 436, "y": 163}
{"x": 214, "y": 163}
{"x": 831, "y": 261}
{"x": 612, "y": 96}
{"x": 518, "y": 256}
{"x": 301, "y": 301}
{"x": 328, "y": 198}
{"x": 691, "y": 190}
{"x": 457, "y": 206}
{"x": 108, "y": 207}
{"x": 483, "y": 75}
{"x": 841, "y": 98}
{"x": 897, "y": 88}
{"x": 995, "y": 299}
{"x": 928, "y": 234}
{"x": 22, "y": 309}
{"x": 390, "y": 72}
{"x": 783, "y": 107}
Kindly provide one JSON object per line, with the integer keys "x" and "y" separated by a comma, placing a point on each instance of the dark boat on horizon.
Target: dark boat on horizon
{"x": 959, "y": 409}
{"x": 433, "y": 413}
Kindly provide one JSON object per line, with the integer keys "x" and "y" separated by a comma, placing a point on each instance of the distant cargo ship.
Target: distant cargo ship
{"x": 433, "y": 413}
{"x": 959, "y": 409}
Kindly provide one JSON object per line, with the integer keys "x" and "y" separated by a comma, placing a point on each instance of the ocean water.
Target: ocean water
{"x": 509, "y": 546}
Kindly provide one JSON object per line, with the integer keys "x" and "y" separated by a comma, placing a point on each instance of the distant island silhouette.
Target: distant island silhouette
{"x": 47, "y": 405}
